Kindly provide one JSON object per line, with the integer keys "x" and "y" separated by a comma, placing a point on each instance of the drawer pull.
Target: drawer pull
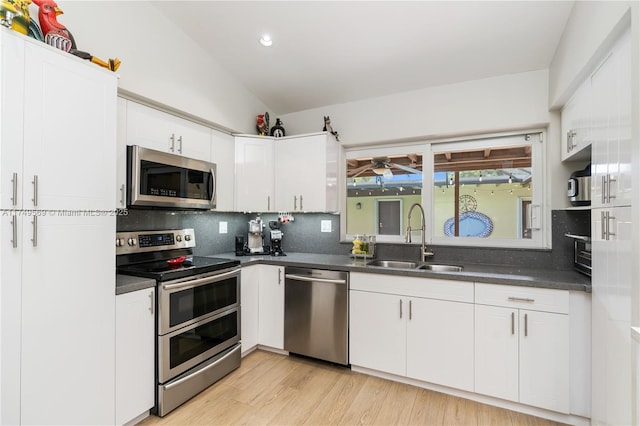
{"x": 521, "y": 299}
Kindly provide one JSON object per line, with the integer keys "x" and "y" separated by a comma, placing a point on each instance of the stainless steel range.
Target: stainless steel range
{"x": 197, "y": 315}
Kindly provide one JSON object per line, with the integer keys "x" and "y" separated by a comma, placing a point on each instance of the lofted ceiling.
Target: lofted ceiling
{"x": 331, "y": 52}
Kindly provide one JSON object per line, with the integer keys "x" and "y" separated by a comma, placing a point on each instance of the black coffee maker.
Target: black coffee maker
{"x": 275, "y": 235}
{"x": 240, "y": 246}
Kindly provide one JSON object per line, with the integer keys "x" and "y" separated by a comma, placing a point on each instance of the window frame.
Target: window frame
{"x": 541, "y": 238}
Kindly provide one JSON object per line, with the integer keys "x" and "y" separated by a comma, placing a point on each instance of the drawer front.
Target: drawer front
{"x": 456, "y": 291}
{"x": 536, "y": 299}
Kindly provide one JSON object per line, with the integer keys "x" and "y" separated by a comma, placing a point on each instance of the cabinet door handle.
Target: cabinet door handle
{"x": 609, "y": 219}
{"x": 410, "y": 310}
{"x": 610, "y": 179}
{"x": 526, "y": 326}
{"x": 295, "y": 203}
{"x": 172, "y": 140}
{"x": 604, "y": 221}
{"x": 14, "y": 235}
{"x": 14, "y": 181}
{"x": 151, "y": 302}
{"x": 180, "y": 144}
{"x": 268, "y": 202}
{"x": 301, "y": 208}
{"x": 279, "y": 276}
{"x": 521, "y": 299}
{"x": 35, "y": 231}
{"x": 570, "y": 135}
{"x": 35, "y": 191}
{"x": 513, "y": 323}
{"x": 400, "y": 308}
{"x": 604, "y": 189}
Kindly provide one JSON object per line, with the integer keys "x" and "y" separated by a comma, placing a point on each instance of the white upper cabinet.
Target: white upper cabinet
{"x": 155, "y": 129}
{"x": 69, "y": 140}
{"x": 306, "y": 173}
{"x": 293, "y": 174}
{"x": 611, "y": 158}
{"x": 254, "y": 185}
{"x": 576, "y": 125}
{"x": 223, "y": 156}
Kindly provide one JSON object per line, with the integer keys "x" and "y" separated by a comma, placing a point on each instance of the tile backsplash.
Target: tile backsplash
{"x": 304, "y": 235}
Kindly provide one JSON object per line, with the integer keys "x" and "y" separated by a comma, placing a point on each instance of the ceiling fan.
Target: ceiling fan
{"x": 382, "y": 166}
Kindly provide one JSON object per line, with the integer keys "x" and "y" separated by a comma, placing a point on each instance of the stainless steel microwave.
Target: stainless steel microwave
{"x": 160, "y": 179}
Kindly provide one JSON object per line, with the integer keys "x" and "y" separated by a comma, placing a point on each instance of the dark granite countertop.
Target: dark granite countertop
{"x": 495, "y": 274}
{"x": 127, "y": 284}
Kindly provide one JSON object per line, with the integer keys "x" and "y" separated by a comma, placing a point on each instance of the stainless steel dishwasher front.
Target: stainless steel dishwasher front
{"x": 316, "y": 314}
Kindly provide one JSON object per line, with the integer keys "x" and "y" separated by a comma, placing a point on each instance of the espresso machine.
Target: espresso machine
{"x": 255, "y": 241}
{"x": 275, "y": 234}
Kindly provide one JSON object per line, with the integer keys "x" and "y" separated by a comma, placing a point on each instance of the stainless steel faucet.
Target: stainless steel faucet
{"x": 424, "y": 253}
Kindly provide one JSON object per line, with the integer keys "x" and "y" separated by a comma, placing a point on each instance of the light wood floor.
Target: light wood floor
{"x": 275, "y": 389}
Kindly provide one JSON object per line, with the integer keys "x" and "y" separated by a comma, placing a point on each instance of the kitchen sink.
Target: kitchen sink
{"x": 415, "y": 265}
{"x": 393, "y": 264}
{"x": 440, "y": 268}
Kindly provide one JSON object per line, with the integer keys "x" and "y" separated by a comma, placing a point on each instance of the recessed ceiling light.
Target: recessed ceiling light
{"x": 265, "y": 40}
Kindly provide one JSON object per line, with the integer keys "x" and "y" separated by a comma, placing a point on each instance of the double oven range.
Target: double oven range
{"x": 197, "y": 311}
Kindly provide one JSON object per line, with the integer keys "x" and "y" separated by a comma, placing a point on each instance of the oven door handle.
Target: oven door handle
{"x": 208, "y": 367}
{"x": 199, "y": 281}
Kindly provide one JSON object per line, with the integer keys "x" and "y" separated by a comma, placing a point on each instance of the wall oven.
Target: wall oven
{"x": 198, "y": 311}
{"x": 160, "y": 179}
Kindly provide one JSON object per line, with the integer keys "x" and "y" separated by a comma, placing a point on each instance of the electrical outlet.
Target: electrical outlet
{"x": 325, "y": 226}
{"x": 222, "y": 228}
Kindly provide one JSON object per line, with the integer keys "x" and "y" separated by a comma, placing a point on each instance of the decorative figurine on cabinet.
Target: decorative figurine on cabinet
{"x": 14, "y": 14}
{"x": 327, "y": 127}
{"x": 277, "y": 130}
{"x": 57, "y": 35}
{"x": 262, "y": 124}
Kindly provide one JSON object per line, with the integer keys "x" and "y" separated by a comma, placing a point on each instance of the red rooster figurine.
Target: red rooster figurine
{"x": 57, "y": 35}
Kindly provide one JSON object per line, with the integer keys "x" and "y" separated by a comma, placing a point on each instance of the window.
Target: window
{"x": 382, "y": 185}
{"x": 483, "y": 192}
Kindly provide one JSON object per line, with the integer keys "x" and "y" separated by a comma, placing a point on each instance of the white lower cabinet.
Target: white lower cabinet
{"x": 523, "y": 354}
{"x": 135, "y": 336}
{"x": 249, "y": 300}
{"x": 395, "y": 328}
{"x": 375, "y": 318}
{"x": 440, "y": 342}
{"x": 271, "y": 306}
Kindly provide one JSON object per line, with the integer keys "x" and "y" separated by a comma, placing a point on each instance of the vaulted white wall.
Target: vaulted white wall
{"x": 588, "y": 35}
{"x": 159, "y": 61}
{"x": 480, "y": 106}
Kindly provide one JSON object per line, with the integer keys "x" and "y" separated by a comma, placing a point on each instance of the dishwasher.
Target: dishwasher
{"x": 316, "y": 314}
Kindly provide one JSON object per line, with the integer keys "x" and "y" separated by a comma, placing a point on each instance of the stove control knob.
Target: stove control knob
{"x": 187, "y": 237}
{"x": 119, "y": 242}
{"x": 132, "y": 241}
{"x": 178, "y": 238}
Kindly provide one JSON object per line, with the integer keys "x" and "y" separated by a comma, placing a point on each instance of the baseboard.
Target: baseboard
{"x": 509, "y": 405}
